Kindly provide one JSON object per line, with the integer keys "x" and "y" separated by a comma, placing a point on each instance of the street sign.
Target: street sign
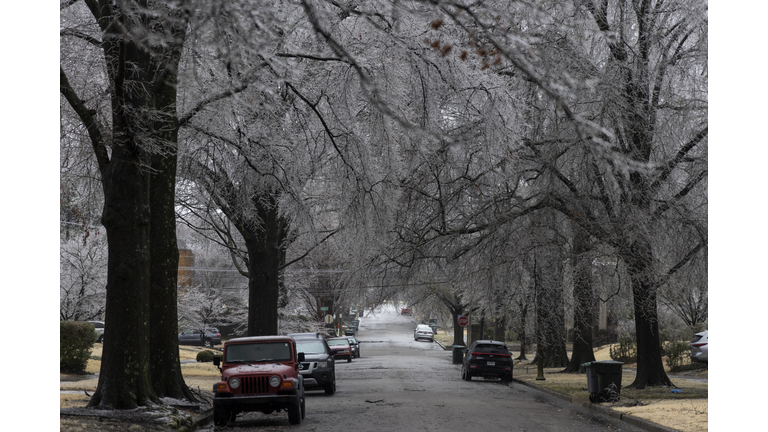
{"x": 324, "y": 308}
{"x": 463, "y": 320}
{"x": 328, "y": 319}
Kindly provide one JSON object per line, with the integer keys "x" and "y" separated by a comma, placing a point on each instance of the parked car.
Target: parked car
{"x": 341, "y": 348}
{"x": 423, "y": 331}
{"x": 210, "y": 337}
{"x": 259, "y": 373}
{"x": 319, "y": 366}
{"x": 700, "y": 347}
{"x": 99, "y": 330}
{"x": 406, "y": 311}
{"x": 487, "y": 358}
{"x": 355, "y": 344}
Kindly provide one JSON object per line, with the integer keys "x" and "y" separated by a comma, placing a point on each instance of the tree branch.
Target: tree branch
{"x": 88, "y": 118}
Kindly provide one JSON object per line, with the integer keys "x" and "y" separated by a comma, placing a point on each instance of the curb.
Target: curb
{"x": 636, "y": 421}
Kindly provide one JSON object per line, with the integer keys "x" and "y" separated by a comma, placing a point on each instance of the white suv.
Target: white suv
{"x": 700, "y": 347}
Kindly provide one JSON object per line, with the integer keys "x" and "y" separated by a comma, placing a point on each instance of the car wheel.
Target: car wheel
{"x": 330, "y": 388}
{"x": 303, "y": 407}
{"x": 506, "y": 379}
{"x": 294, "y": 411}
{"x": 208, "y": 343}
{"x": 101, "y": 339}
{"x": 220, "y": 416}
{"x": 349, "y": 360}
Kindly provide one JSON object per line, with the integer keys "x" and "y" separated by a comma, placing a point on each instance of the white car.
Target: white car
{"x": 700, "y": 347}
{"x": 423, "y": 331}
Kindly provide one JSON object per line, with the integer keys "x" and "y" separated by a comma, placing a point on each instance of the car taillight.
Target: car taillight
{"x": 698, "y": 344}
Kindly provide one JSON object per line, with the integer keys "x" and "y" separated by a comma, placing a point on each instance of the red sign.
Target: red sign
{"x": 463, "y": 320}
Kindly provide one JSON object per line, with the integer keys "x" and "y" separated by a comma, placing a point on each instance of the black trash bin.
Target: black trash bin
{"x": 600, "y": 376}
{"x": 458, "y": 353}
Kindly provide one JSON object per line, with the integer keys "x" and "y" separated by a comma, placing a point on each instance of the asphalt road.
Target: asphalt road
{"x": 402, "y": 385}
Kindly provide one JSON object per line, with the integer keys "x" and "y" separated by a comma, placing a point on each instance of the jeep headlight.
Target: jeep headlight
{"x": 234, "y": 383}
{"x": 322, "y": 364}
{"x": 274, "y": 381}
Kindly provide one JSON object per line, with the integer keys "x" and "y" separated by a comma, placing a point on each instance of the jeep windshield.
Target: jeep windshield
{"x": 258, "y": 352}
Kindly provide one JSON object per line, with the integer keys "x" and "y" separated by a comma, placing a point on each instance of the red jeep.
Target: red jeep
{"x": 259, "y": 373}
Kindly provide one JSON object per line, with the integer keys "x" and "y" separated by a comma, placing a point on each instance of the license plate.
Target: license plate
{"x": 491, "y": 363}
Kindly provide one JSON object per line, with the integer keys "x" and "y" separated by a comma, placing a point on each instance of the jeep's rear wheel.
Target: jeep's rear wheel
{"x": 303, "y": 408}
{"x": 294, "y": 411}
{"x": 220, "y": 416}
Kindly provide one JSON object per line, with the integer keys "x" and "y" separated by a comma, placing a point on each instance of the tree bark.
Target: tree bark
{"x": 550, "y": 313}
{"x": 265, "y": 247}
{"x": 124, "y": 381}
{"x": 639, "y": 259}
{"x": 583, "y": 302}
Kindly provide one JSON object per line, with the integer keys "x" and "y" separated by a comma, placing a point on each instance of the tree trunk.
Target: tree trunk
{"x": 550, "y": 312}
{"x": 583, "y": 302}
{"x": 522, "y": 333}
{"x": 124, "y": 381}
{"x": 650, "y": 368}
{"x": 265, "y": 256}
{"x": 165, "y": 366}
{"x": 499, "y": 328}
{"x": 458, "y": 331}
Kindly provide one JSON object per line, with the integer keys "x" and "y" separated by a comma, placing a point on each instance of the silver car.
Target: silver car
{"x": 700, "y": 347}
{"x": 99, "y": 330}
{"x": 423, "y": 331}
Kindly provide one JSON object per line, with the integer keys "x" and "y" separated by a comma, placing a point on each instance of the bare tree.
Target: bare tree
{"x": 82, "y": 272}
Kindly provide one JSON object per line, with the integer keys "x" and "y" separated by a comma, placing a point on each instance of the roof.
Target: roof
{"x": 489, "y": 342}
{"x": 257, "y": 339}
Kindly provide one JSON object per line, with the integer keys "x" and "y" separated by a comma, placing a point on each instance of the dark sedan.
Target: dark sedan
{"x": 487, "y": 358}
{"x": 355, "y": 345}
{"x": 208, "y": 339}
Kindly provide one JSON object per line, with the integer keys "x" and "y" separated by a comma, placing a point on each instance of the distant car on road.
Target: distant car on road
{"x": 406, "y": 311}
{"x": 341, "y": 348}
{"x": 99, "y": 330}
{"x": 487, "y": 358}
{"x": 208, "y": 339}
{"x": 355, "y": 345}
{"x": 423, "y": 331}
{"x": 700, "y": 347}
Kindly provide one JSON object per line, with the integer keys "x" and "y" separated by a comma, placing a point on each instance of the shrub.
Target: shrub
{"x": 678, "y": 355}
{"x": 205, "y": 356}
{"x": 76, "y": 339}
{"x": 625, "y": 350}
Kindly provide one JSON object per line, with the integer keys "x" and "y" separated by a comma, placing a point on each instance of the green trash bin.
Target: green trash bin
{"x": 600, "y": 376}
{"x": 458, "y": 353}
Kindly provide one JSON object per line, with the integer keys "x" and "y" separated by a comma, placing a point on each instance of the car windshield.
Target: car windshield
{"x": 491, "y": 349}
{"x": 338, "y": 342}
{"x": 352, "y": 340}
{"x": 310, "y": 347}
{"x": 258, "y": 352}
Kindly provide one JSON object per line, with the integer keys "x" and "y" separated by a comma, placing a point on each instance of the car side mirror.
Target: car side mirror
{"x": 301, "y": 357}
